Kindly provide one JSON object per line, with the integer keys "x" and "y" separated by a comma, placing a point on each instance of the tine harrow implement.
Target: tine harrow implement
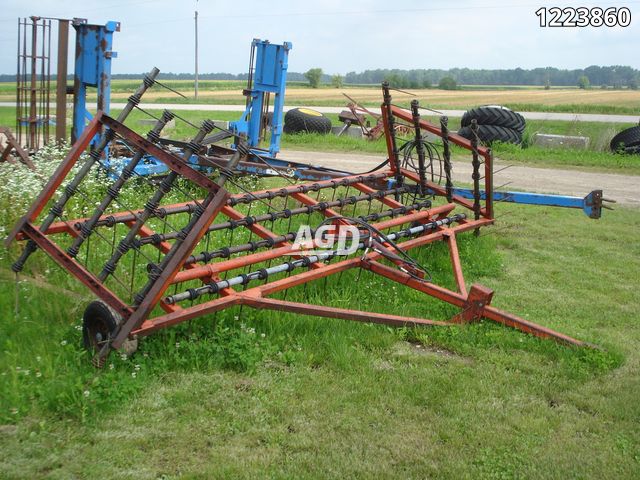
{"x": 157, "y": 262}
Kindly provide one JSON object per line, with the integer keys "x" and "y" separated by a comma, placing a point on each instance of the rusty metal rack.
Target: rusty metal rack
{"x": 159, "y": 263}
{"x": 33, "y": 82}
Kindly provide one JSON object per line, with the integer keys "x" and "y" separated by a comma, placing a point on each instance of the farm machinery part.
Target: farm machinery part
{"x": 357, "y": 114}
{"x": 93, "y": 54}
{"x": 13, "y": 146}
{"x": 157, "y": 263}
{"x": 267, "y": 76}
{"x": 33, "y": 82}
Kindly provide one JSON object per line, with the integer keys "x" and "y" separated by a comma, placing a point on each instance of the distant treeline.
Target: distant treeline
{"x": 614, "y": 76}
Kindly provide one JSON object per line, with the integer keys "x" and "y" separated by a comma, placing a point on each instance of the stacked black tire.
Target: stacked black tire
{"x": 306, "y": 120}
{"x": 627, "y": 141}
{"x": 495, "y": 123}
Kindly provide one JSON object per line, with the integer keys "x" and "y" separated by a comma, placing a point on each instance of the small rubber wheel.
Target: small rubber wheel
{"x": 99, "y": 325}
{"x": 306, "y": 120}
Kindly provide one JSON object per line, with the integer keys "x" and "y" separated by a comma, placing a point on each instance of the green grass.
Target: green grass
{"x": 250, "y": 394}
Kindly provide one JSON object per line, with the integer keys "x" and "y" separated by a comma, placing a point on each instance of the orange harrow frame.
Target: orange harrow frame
{"x": 211, "y": 274}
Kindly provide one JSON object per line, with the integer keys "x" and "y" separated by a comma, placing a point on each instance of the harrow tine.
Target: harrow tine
{"x": 71, "y": 188}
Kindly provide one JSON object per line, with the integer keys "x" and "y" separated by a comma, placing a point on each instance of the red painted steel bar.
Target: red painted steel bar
{"x": 58, "y": 177}
{"x": 332, "y": 312}
{"x": 172, "y": 161}
{"x": 459, "y": 300}
{"x": 86, "y": 277}
{"x": 152, "y": 297}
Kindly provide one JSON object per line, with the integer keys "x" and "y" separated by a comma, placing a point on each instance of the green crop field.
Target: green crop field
{"x": 253, "y": 394}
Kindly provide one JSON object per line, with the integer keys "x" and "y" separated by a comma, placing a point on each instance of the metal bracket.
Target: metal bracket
{"x": 473, "y": 309}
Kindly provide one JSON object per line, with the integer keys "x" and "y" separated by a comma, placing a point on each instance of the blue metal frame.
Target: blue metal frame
{"x": 591, "y": 204}
{"x": 270, "y": 76}
{"x": 92, "y": 69}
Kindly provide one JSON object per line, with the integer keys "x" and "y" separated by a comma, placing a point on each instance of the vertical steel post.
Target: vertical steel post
{"x": 92, "y": 69}
{"x": 196, "y": 82}
{"x": 61, "y": 80}
{"x": 47, "y": 88}
{"x": 33, "y": 97}
{"x": 19, "y": 90}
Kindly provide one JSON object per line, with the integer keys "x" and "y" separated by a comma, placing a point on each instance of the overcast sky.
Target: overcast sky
{"x": 338, "y": 36}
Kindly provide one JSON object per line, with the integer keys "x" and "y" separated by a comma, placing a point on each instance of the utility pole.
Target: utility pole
{"x": 196, "y": 19}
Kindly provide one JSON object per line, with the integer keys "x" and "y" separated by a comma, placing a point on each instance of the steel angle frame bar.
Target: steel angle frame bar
{"x": 13, "y": 145}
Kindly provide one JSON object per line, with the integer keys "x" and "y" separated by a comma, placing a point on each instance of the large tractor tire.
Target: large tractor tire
{"x": 491, "y": 133}
{"x": 496, "y": 116}
{"x": 627, "y": 141}
{"x": 306, "y": 120}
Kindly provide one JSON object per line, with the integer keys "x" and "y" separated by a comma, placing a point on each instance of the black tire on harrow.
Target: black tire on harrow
{"x": 626, "y": 140}
{"x": 306, "y": 120}
{"x": 496, "y": 116}
{"x": 99, "y": 324}
{"x": 491, "y": 133}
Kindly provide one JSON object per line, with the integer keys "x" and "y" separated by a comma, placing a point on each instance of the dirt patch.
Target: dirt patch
{"x": 622, "y": 188}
